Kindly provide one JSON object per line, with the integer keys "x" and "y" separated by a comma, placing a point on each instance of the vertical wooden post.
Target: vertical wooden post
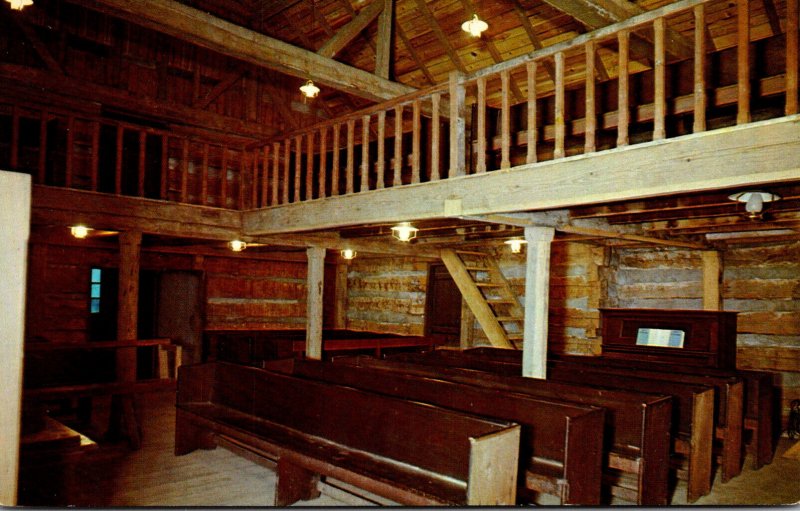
{"x": 364, "y": 185}
{"x": 242, "y": 182}
{"x": 310, "y": 166}
{"x": 623, "y": 107}
{"x": 15, "y": 188}
{"x": 42, "y": 175}
{"x": 415, "y": 145}
{"x": 351, "y": 135}
{"x": 316, "y": 275}
{"x": 590, "y": 140}
{"x": 505, "y": 119}
{"x": 323, "y": 161}
{"x": 791, "y": 55}
{"x": 70, "y": 164}
{"x": 457, "y": 125}
{"x": 559, "y": 107}
{"x": 266, "y": 178}
{"x": 743, "y": 60}
{"x": 162, "y": 191}
{"x": 14, "y": 163}
{"x": 223, "y": 178}
{"x": 712, "y": 271}
{"x": 537, "y": 297}
{"x": 118, "y": 161}
{"x": 436, "y": 137}
{"x": 298, "y": 167}
{"x": 380, "y": 168}
{"x": 659, "y": 130}
{"x": 95, "y": 162}
{"x": 287, "y": 153}
{"x": 480, "y": 165}
{"x": 335, "y": 164}
{"x": 397, "y": 178}
{"x": 340, "y": 305}
{"x": 204, "y": 175}
{"x": 142, "y": 161}
{"x": 699, "y": 69}
{"x": 185, "y": 170}
{"x": 276, "y": 166}
{"x": 532, "y": 132}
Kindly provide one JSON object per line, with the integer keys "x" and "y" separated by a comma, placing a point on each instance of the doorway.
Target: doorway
{"x": 442, "y": 306}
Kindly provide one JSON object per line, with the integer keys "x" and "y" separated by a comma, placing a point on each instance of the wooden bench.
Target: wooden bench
{"x": 408, "y": 452}
{"x": 561, "y": 449}
{"x": 692, "y": 411}
{"x": 636, "y": 436}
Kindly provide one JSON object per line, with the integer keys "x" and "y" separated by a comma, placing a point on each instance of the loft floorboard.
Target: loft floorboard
{"x": 154, "y": 476}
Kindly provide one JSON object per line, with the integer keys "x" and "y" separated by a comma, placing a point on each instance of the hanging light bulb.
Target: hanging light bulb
{"x": 474, "y": 26}
{"x": 404, "y": 231}
{"x": 349, "y": 254}
{"x": 237, "y": 245}
{"x": 309, "y": 90}
{"x": 515, "y": 244}
{"x": 18, "y": 5}
{"x": 79, "y": 231}
{"x": 754, "y": 201}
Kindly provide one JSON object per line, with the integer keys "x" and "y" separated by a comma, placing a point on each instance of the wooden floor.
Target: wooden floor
{"x": 154, "y": 476}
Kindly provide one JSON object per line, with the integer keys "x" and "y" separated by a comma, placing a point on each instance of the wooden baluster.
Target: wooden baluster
{"x": 398, "y": 146}
{"x": 223, "y": 179}
{"x": 14, "y": 163}
{"x": 700, "y": 99}
{"x": 380, "y": 168}
{"x": 558, "y": 151}
{"x": 480, "y": 163}
{"x": 265, "y": 179}
{"x": 436, "y": 136}
{"x": 457, "y": 125}
{"x": 276, "y": 169}
{"x": 660, "y": 107}
{"x": 185, "y": 170}
{"x": 323, "y": 161}
{"x": 351, "y": 133}
{"x": 162, "y": 192}
{"x": 364, "y": 185}
{"x": 310, "y": 167}
{"x": 531, "y": 134}
{"x": 743, "y": 60}
{"x": 298, "y": 166}
{"x": 70, "y": 164}
{"x": 791, "y": 56}
{"x": 42, "y": 176}
{"x": 623, "y": 109}
{"x": 95, "y": 165}
{"x": 204, "y": 176}
{"x": 142, "y": 167}
{"x": 118, "y": 161}
{"x": 415, "y": 141}
{"x": 242, "y": 183}
{"x": 590, "y": 132}
{"x": 335, "y": 165}
{"x": 256, "y": 184}
{"x": 287, "y": 153}
{"x": 505, "y": 119}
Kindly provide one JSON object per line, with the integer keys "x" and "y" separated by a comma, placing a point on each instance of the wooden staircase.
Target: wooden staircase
{"x": 488, "y": 295}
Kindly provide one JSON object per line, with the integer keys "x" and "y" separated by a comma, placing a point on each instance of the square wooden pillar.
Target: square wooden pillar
{"x": 537, "y": 298}
{"x": 316, "y": 277}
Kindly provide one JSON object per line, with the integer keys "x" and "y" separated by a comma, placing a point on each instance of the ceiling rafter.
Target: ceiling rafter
{"x": 347, "y": 33}
{"x": 430, "y": 19}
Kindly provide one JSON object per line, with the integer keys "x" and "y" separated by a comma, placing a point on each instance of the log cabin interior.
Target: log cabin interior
{"x": 590, "y": 212}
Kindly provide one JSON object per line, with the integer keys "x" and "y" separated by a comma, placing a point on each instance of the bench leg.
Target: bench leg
{"x": 294, "y": 483}
{"x": 190, "y": 437}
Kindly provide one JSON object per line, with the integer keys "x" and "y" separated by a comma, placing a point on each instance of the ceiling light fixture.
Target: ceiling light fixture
{"x": 349, "y": 254}
{"x": 474, "y": 26}
{"x": 18, "y": 5}
{"x": 237, "y": 245}
{"x": 515, "y": 244}
{"x": 404, "y": 231}
{"x": 309, "y": 90}
{"x": 79, "y": 231}
{"x": 754, "y": 201}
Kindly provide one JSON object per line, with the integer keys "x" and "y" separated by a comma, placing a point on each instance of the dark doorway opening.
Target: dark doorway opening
{"x": 442, "y": 306}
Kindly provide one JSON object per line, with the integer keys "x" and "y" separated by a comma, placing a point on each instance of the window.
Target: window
{"x": 94, "y": 293}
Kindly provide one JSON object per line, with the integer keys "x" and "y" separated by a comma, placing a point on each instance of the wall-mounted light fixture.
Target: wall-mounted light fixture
{"x": 404, "y": 231}
{"x": 474, "y": 26}
{"x": 349, "y": 254}
{"x": 237, "y": 245}
{"x": 515, "y": 244}
{"x": 79, "y": 231}
{"x": 754, "y": 201}
{"x": 309, "y": 90}
{"x": 18, "y": 5}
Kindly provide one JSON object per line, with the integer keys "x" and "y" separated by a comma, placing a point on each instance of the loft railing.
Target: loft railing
{"x": 518, "y": 112}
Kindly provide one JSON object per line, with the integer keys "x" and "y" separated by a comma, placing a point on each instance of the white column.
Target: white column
{"x": 316, "y": 276}
{"x": 15, "y": 195}
{"x": 537, "y": 294}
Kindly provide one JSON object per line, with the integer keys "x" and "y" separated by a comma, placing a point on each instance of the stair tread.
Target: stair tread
{"x": 510, "y": 318}
{"x": 488, "y": 284}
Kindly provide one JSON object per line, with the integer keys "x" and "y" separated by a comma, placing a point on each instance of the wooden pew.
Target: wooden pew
{"x": 692, "y": 411}
{"x": 562, "y": 443}
{"x": 636, "y": 434}
{"x": 728, "y": 410}
{"x": 408, "y": 452}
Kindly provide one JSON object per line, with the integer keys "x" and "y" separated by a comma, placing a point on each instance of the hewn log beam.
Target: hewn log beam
{"x": 383, "y": 50}
{"x": 210, "y": 32}
{"x": 350, "y": 31}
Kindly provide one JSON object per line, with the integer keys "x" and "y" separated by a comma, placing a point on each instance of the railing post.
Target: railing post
{"x": 416, "y": 128}
{"x": 397, "y": 178}
{"x": 457, "y": 125}
{"x": 337, "y": 128}
{"x": 364, "y": 185}
{"x": 505, "y": 119}
{"x": 436, "y": 146}
{"x": 743, "y": 60}
{"x": 323, "y": 161}
{"x": 298, "y": 167}
{"x": 659, "y": 131}
{"x": 287, "y": 148}
{"x": 623, "y": 112}
{"x": 310, "y": 166}
{"x": 380, "y": 169}
{"x": 561, "y": 128}
{"x": 590, "y": 138}
{"x": 480, "y": 165}
{"x": 276, "y": 166}
{"x": 699, "y": 69}
{"x": 791, "y": 56}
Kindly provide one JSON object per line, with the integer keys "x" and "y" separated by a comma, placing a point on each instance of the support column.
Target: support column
{"x": 712, "y": 270}
{"x": 340, "y": 307}
{"x": 316, "y": 277}
{"x": 537, "y": 297}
